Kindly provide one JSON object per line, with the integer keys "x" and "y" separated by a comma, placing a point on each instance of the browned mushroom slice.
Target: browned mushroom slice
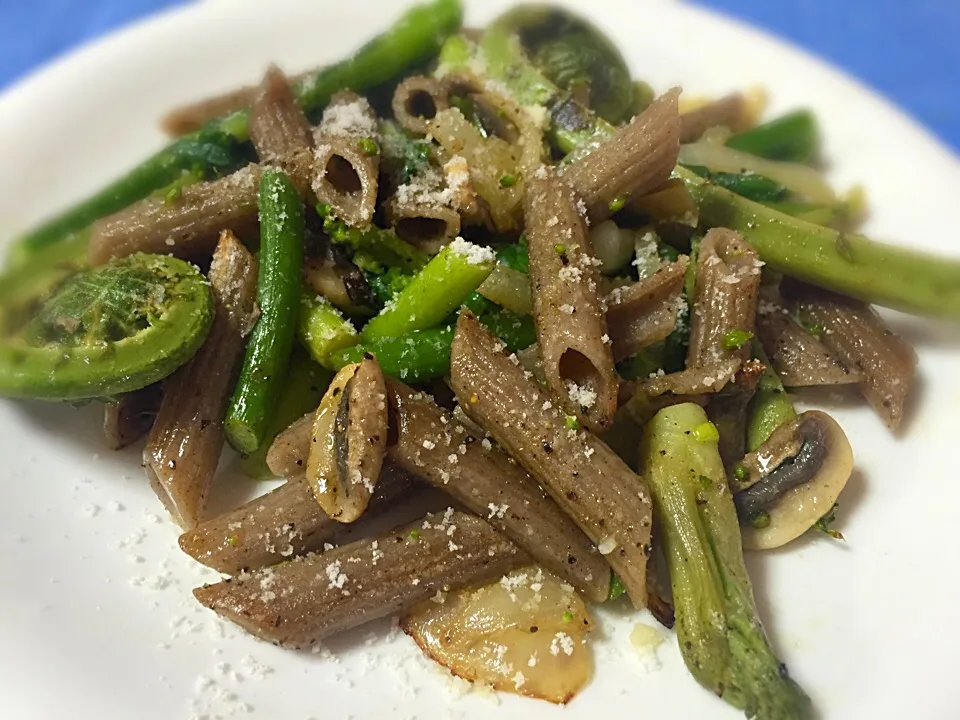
{"x": 525, "y": 633}
{"x": 349, "y": 441}
{"x": 301, "y": 602}
{"x": 793, "y": 480}
{"x": 284, "y": 523}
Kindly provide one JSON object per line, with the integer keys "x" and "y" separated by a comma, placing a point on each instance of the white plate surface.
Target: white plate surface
{"x": 96, "y": 616}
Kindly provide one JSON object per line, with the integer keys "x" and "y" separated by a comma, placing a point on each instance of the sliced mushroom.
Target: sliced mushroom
{"x": 792, "y": 480}
{"x": 349, "y": 441}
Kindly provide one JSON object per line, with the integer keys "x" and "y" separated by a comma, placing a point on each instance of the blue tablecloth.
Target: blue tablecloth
{"x": 906, "y": 49}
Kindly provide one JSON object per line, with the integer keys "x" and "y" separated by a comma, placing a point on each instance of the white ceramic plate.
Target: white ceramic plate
{"x": 96, "y": 616}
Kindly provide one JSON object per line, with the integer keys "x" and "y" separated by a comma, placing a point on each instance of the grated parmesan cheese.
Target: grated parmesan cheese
{"x": 474, "y": 254}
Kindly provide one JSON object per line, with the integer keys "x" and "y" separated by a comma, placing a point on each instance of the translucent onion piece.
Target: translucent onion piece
{"x": 524, "y": 634}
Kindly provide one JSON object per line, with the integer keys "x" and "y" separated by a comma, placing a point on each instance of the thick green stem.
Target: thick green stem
{"x": 793, "y": 137}
{"x": 854, "y": 265}
{"x": 322, "y": 329}
{"x": 770, "y": 407}
{"x": 721, "y": 638}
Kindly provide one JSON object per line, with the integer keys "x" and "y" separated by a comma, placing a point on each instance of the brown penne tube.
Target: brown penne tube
{"x": 860, "y": 339}
{"x": 187, "y": 226}
{"x": 433, "y": 445}
{"x": 638, "y": 158}
{"x": 584, "y": 476}
{"x": 646, "y": 312}
{"x": 417, "y": 100}
{"x": 725, "y": 299}
{"x": 131, "y": 416}
{"x": 428, "y": 225}
{"x": 278, "y": 127}
{"x": 571, "y": 329}
{"x": 301, "y": 602}
{"x": 193, "y": 116}
{"x": 286, "y": 522}
{"x": 184, "y": 447}
{"x": 730, "y": 111}
{"x": 799, "y": 358}
{"x": 347, "y": 160}
{"x": 704, "y": 380}
{"x": 280, "y": 132}
{"x": 287, "y": 456}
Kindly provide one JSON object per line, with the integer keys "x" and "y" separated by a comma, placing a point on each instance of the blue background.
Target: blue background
{"x": 909, "y": 50}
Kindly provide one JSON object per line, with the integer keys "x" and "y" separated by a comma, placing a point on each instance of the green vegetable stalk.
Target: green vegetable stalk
{"x": 770, "y": 406}
{"x": 302, "y": 391}
{"x": 793, "y": 138}
{"x": 854, "y": 265}
{"x": 110, "y": 330}
{"x": 322, "y": 329}
{"x": 436, "y": 291}
{"x": 278, "y": 296}
{"x": 222, "y": 146}
{"x": 425, "y": 354}
{"x": 374, "y": 249}
{"x": 721, "y": 638}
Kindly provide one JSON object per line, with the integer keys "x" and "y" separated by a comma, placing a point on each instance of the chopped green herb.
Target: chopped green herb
{"x": 816, "y": 330}
{"x": 740, "y": 472}
{"x": 616, "y": 587}
{"x": 736, "y": 339}
{"x": 760, "y": 520}
{"x": 706, "y": 432}
{"x": 173, "y": 194}
{"x": 824, "y": 523}
{"x": 618, "y": 203}
{"x": 568, "y": 616}
{"x": 571, "y": 422}
{"x": 369, "y": 146}
{"x": 704, "y": 481}
{"x": 560, "y": 249}
{"x": 414, "y": 534}
{"x": 508, "y": 181}
{"x": 233, "y": 540}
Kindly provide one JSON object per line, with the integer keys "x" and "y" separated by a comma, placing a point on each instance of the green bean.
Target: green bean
{"x": 854, "y": 265}
{"x": 322, "y": 329}
{"x": 515, "y": 256}
{"x": 770, "y": 407}
{"x": 222, "y": 146}
{"x": 436, "y": 291}
{"x": 278, "y": 294}
{"x": 110, "y": 330}
{"x": 793, "y": 137}
{"x": 302, "y": 390}
{"x": 720, "y": 636}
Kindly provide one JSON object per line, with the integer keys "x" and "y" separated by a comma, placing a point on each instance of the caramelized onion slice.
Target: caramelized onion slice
{"x": 524, "y": 634}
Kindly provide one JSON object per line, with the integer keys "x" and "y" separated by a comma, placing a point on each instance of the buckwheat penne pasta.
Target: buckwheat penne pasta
{"x": 594, "y": 487}
{"x": 184, "y": 447}
{"x": 347, "y": 161}
{"x": 417, "y": 100}
{"x": 635, "y": 160}
{"x": 435, "y": 446}
{"x": 571, "y": 329}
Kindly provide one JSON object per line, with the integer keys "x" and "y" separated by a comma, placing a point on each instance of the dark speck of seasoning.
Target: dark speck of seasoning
{"x": 571, "y": 495}
{"x": 367, "y": 356}
{"x": 374, "y": 439}
{"x": 533, "y": 628}
{"x": 663, "y": 452}
{"x": 469, "y": 439}
{"x": 336, "y": 391}
{"x": 688, "y": 645}
{"x": 571, "y": 560}
{"x": 647, "y": 549}
{"x": 576, "y": 473}
{"x": 547, "y": 447}
{"x": 299, "y": 463}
